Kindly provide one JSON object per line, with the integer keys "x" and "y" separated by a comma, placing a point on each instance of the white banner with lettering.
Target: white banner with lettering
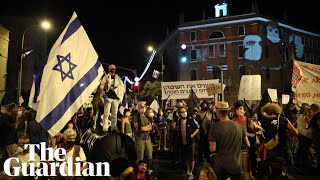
{"x": 181, "y": 89}
{"x": 306, "y": 83}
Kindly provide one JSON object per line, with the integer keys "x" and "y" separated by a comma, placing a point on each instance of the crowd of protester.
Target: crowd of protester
{"x": 208, "y": 140}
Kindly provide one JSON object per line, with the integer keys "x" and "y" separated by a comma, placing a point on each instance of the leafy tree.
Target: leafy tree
{"x": 151, "y": 90}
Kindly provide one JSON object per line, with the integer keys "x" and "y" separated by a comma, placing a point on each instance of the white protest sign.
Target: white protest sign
{"x": 181, "y": 89}
{"x": 250, "y": 87}
{"x": 273, "y": 93}
{"x": 285, "y": 98}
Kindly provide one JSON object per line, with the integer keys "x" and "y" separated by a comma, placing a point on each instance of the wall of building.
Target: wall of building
{"x": 4, "y": 44}
{"x": 270, "y": 62}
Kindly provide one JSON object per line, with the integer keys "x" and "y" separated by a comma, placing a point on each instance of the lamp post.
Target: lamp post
{"x": 44, "y": 25}
{"x": 150, "y": 49}
{"x": 222, "y": 92}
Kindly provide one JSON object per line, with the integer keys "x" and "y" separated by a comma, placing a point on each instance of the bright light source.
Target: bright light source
{"x": 183, "y": 46}
{"x": 184, "y": 59}
{"x": 150, "y": 48}
{"x": 136, "y": 79}
{"x": 136, "y": 84}
{"x": 45, "y": 25}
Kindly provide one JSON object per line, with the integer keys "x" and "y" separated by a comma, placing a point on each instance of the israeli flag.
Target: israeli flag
{"x": 72, "y": 73}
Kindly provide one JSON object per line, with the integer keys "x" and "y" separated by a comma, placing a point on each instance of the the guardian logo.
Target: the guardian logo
{"x": 52, "y": 164}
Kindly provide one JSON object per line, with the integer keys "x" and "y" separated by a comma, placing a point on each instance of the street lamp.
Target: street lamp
{"x": 44, "y": 25}
{"x": 150, "y": 49}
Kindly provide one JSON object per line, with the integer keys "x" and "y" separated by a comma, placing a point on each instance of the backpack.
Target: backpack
{"x": 111, "y": 148}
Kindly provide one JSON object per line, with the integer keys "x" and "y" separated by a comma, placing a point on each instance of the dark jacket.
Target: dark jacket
{"x": 191, "y": 127}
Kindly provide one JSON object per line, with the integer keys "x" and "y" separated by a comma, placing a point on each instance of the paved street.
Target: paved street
{"x": 163, "y": 169}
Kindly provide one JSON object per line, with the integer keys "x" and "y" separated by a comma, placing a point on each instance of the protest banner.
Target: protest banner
{"x": 214, "y": 89}
{"x": 181, "y": 89}
{"x": 273, "y": 93}
{"x": 250, "y": 87}
{"x": 305, "y": 82}
{"x": 285, "y": 98}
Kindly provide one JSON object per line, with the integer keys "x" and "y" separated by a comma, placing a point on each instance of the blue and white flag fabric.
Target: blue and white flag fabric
{"x": 154, "y": 106}
{"x": 155, "y": 74}
{"x": 123, "y": 104}
{"x": 72, "y": 73}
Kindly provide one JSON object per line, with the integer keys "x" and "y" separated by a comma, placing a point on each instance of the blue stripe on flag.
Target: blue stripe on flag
{"x": 56, "y": 114}
{"x": 37, "y": 81}
{"x": 73, "y": 27}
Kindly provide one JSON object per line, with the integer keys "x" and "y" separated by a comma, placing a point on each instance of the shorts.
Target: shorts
{"x": 163, "y": 130}
{"x": 188, "y": 152}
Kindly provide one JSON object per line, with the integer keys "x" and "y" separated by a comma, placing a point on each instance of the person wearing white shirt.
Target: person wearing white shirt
{"x": 113, "y": 89}
{"x": 72, "y": 151}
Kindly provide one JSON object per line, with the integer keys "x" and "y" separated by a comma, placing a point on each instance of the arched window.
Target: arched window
{"x": 216, "y": 34}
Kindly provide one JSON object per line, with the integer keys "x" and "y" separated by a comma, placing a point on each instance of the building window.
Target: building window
{"x": 310, "y": 42}
{"x": 216, "y": 34}
{"x": 240, "y": 52}
{"x": 193, "y": 74}
{"x": 224, "y": 67}
{"x": 193, "y": 36}
{"x": 211, "y": 51}
{"x": 209, "y": 68}
{"x": 241, "y": 31}
{"x": 222, "y": 50}
{"x": 266, "y": 52}
{"x": 193, "y": 55}
{"x": 216, "y": 73}
{"x": 202, "y": 54}
{"x": 302, "y": 40}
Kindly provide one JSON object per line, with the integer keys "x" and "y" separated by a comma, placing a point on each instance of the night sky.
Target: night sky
{"x": 120, "y": 31}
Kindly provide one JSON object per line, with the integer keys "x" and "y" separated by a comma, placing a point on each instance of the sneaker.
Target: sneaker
{"x": 158, "y": 149}
{"x": 166, "y": 149}
{"x": 189, "y": 176}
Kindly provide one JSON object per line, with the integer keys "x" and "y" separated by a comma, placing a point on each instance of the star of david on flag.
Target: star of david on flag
{"x": 59, "y": 67}
{"x": 71, "y": 74}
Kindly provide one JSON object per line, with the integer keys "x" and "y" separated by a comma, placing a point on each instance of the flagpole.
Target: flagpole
{"x": 161, "y": 75}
